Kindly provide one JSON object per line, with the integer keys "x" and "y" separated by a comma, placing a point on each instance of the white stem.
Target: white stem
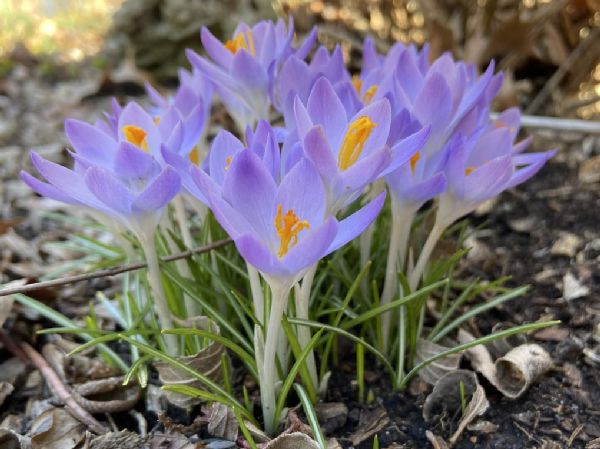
{"x": 258, "y": 299}
{"x": 268, "y": 375}
{"x": 160, "y": 300}
{"x": 400, "y": 231}
{"x": 303, "y": 332}
{"x": 182, "y": 221}
{"x": 432, "y": 239}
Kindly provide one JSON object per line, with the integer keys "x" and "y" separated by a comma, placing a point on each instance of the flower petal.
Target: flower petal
{"x": 159, "y": 192}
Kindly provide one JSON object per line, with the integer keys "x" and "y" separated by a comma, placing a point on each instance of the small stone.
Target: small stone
{"x": 566, "y": 245}
{"x": 332, "y": 415}
{"x": 589, "y": 170}
{"x": 523, "y": 225}
{"x": 573, "y": 288}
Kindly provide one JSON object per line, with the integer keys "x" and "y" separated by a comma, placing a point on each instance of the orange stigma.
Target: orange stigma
{"x": 228, "y": 161}
{"x": 354, "y": 141}
{"x": 241, "y": 40}
{"x": 369, "y": 94}
{"x": 469, "y": 170}
{"x": 194, "y": 156}
{"x": 357, "y": 83}
{"x": 137, "y": 136}
{"x": 288, "y": 227}
{"x": 413, "y": 161}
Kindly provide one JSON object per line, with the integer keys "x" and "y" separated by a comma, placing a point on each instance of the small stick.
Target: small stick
{"x": 110, "y": 271}
{"x": 61, "y": 390}
{"x": 558, "y": 124}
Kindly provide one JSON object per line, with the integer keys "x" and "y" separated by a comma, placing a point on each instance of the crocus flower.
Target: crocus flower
{"x": 117, "y": 176}
{"x": 224, "y": 148}
{"x": 298, "y": 77}
{"x": 483, "y": 165}
{"x": 190, "y": 105}
{"x": 349, "y": 152}
{"x": 243, "y": 69}
{"x": 282, "y": 230}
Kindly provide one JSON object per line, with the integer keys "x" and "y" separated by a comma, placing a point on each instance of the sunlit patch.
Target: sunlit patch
{"x": 194, "y": 156}
{"x": 288, "y": 227}
{"x": 354, "y": 141}
{"x": 469, "y": 170}
{"x": 413, "y": 161}
{"x": 137, "y": 136}
{"x": 241, "y": 40}
{"x": 228, "y": 161}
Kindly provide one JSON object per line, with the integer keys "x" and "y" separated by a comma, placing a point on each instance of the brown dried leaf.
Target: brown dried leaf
{"x": 434, "y": 371}
{"x": 207, "y": 362}
{"x": 222, "y": 422}
{"x": 370, "y": 422}
{"x": 56, "y": 429}
{"x": 294, "y": 440}
{"x": 124, "y": 439}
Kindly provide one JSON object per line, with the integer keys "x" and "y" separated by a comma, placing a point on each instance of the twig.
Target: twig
{"x": 109, "y": 271}
{"x": 558, "y": 124}
{"x": 557, "y": 77}
{"x": 61, "y": 390}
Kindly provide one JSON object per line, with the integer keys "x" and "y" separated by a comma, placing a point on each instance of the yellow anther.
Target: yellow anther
{"x": 241, "y": 40}
{"x": 413, "y": 161}
{"x": 354, "y": 141}
{"x": 469, "y": 170}
{"x": 288, "y": 227}
{"x": 137, "y": 136}
{"x": 369, "y": 94}
{"x": 228, "y": 161}
{"x": 194, "y": 156}
{"x": 156, "y": 119}
{"x": 501, "y": 124}
{"x": 357, "y": 83}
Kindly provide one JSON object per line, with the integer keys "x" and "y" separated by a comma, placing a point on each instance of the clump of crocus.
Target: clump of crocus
{"x": 119, "y": 176}
{"x": 245, "y": 67}
{"x": 282, "y": 230}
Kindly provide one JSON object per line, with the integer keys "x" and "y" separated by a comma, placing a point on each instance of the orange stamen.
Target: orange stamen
{"x": 354, "y": 141}
{"x": 137, "y": 136}
{"x": 288, "y": 227}
{"x": 228, "y": 161}
{"x": 469, "y": 170}
{"x": 194, "y": 156}
{"x": 369, "y": 94}
{"x": 413, "y": 161}
{"x": 241, "y": 40}
{"x": 357, "y": 83}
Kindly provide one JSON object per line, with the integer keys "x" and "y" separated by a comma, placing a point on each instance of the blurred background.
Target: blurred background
{"x": 550, "y": 49}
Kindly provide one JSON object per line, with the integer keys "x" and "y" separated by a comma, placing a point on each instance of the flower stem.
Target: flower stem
{"x": 400, "y": 231}
{"x": 432, "y": 239}
{"x": 268, "y": 375}
{"x": 258, "y": 299}
{"x": 302, "y": 307}
{"x": 160, "y": 300}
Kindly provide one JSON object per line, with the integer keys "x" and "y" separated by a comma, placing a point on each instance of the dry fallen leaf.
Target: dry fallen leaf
{"x": 56, "y": 429}
{"x": 222, "y": 422}
{"x": 513, "y": 373}
{"x": 434, "y": 371}
{"x": 294, "y": 440}
{"x": 207, "y": 362}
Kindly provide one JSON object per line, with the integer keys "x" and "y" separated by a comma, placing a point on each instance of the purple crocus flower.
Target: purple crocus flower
{"x": 349, "y": 152}
{"x": 483, "y": 165}
{"x": 224, "y": 148}
{"x": 117, "y": 176}
{"x": 280, "y": 229}
{"x": 244, "y": 68}
{"x": 298, "y": 77}
{"x": 190, "y": 105}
